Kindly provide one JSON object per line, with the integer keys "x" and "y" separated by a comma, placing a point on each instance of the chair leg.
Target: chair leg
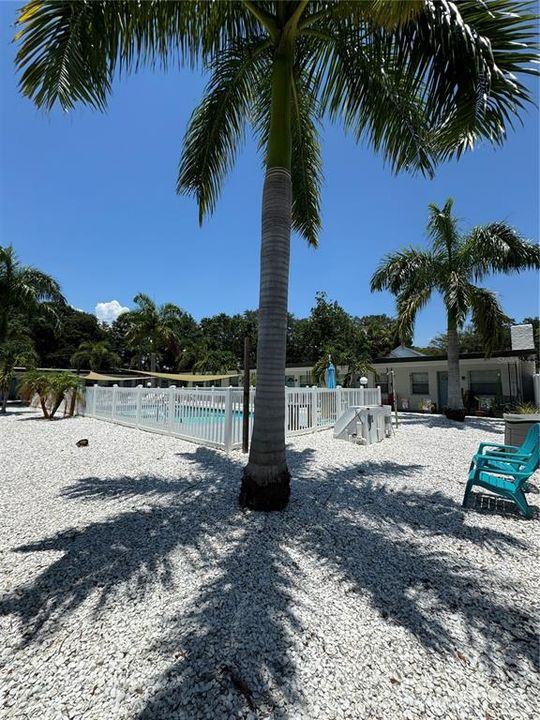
{"x": 468, "y": 489}
{"x": 522, "y": 504}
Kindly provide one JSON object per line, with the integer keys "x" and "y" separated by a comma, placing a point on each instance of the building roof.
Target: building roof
{"x": 444, "y": 357}
{"x": 401, "y": 351}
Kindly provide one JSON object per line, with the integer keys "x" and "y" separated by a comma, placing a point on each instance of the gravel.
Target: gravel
{"x": 132, "y": 586}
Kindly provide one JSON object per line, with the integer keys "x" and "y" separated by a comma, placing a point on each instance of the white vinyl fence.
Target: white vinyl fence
{"x": 213, "y": 416}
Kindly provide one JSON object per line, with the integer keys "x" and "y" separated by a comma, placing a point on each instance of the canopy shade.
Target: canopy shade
{"x": 188, "y": 377}
{"x": 99, "y": 377}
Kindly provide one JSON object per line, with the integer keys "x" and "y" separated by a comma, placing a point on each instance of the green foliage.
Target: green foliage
{"x": 419, "y": 81}
{"x": 56, "y": 340}
{"x": 527, "y": 409}
{"x": 25, "y": 292}
{"x": 51, "y": 388}
{"x": 356, "y": 366}
{"x": 152, "y": 330}
{"x": 95, "y": 355}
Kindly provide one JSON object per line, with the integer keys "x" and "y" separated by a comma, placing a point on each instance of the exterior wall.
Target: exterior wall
{"x": 510, "y": 369}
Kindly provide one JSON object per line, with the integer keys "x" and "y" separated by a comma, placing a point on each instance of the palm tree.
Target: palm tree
{"x": 419, "y": 81}
{"x": 97, "y": 355}
{"x": 356, "y": 365}
{"x": 152, "y": 327}
{"x": 451, "y": 267}
{"x": 16, "y": 350}
{"x": 23, "y": 290}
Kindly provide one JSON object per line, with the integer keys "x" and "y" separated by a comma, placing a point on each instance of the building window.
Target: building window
{"x": 485, "y": 382}
{"x": 382, "y": 381}
{"x": 419, "y": 383}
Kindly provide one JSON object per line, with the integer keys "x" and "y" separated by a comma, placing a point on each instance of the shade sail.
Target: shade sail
{"x": 99, "y": 377}
{"x": 188, "y": 377}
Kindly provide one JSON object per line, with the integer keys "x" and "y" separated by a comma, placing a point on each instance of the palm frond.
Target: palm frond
{"x": 216, "y": 128}
{"x": 69, "y": 51}
{"x": 355, "y": 72}
{"x": 405, "y": 269}
{"x": 457, "y": 295}
{"x": 443, "y": 228}
{"x": 488, "y": 317}
{"x": 408, "y": 306}
{"x": 497, "y": 247}
{"x": 464, "y": 58}
{"x": 306, "y": 171}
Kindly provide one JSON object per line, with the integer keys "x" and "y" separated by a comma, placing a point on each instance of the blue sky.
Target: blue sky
{"x": 90, "y": 198}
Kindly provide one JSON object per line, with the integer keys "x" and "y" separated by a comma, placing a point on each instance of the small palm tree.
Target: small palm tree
{"x": 152, "y": 327}
{"x": 97, "y": 355}
{"x": 13, "y": 352}
{"x": 451, "y": 267}
{"x": 419, "y": 81}
{"x": 356, "y": 365}
{"x": 24, "y": 290}
{"x": 51, "y": 388}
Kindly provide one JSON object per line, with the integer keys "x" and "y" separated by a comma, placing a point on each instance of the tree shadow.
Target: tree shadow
{"x": 492, "y": 425}
{"x": 237, "y": 647}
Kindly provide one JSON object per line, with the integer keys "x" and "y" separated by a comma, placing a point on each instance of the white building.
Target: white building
{"x": 420, "y": 381}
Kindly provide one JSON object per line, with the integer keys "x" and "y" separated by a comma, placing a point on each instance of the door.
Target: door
{"x": 442, "y": 389}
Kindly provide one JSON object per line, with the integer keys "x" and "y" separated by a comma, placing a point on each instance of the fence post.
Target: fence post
{"x": 113, "y": 409}
{"x": 314, "y": 406}
{"x": 172, "y": 407}
{"x": 94, "y": 399}
{"x": 227, "y": 430}
{"x": 339, "y": 402}
{"x": 139, "y": 404}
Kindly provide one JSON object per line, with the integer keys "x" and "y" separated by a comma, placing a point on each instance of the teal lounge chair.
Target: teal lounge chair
{"x": 497, "y": 449}
{"x": 505, "y": 472}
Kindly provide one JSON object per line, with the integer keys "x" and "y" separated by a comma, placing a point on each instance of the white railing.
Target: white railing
{"x": 213, "y": 416}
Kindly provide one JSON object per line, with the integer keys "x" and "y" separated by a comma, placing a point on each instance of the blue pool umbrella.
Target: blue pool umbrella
{"x": 330, "y": 374}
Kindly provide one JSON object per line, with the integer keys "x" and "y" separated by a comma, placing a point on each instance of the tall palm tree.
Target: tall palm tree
{"x": 419, "y": 81}
{"x": 95, "y": 354}
{"x": 24, "y": 290}
{"x": 451, "y": 267}
{"x": 152, "y": 327}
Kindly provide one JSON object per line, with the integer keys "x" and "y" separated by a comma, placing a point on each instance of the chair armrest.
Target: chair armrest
{"x": 484, "y": 462}
{"x": 496, "y": 445}
{"x": 504, "y": 457}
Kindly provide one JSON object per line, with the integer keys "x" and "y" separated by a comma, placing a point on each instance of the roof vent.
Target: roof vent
{"x": 522, "y": 337}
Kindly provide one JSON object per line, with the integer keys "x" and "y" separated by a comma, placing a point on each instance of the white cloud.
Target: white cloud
{"x": 109, "y": 311}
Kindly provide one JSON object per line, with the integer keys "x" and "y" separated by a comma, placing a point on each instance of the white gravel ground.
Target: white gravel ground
{"x": 133, "y": 587}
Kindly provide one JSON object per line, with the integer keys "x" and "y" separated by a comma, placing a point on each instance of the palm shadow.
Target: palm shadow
{"x": 235, "y": 648}
{"x": 493, "y": 425}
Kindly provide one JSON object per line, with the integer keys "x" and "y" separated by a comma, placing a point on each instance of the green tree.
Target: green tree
{"x": 380, "y": 333}
{"x": 419, "y": 81}
{"x": 57, "y": 338}
{"x": 470, "y": 341}
{"x": 151, "y": 329}
{"x": 24, "y": 291}
{"x": 95, "y": 355}
{"x": 331, "y": 326}
{"x": 51, "y": 388}
{"x": 451, "y": 267}
{"x": 16, "y": 350}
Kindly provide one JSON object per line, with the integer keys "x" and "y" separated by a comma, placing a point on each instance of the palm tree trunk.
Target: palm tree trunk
{"x": 265, "y": 483}
{"x": 5, "y": 393}
{"x": 455, "y": 399}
